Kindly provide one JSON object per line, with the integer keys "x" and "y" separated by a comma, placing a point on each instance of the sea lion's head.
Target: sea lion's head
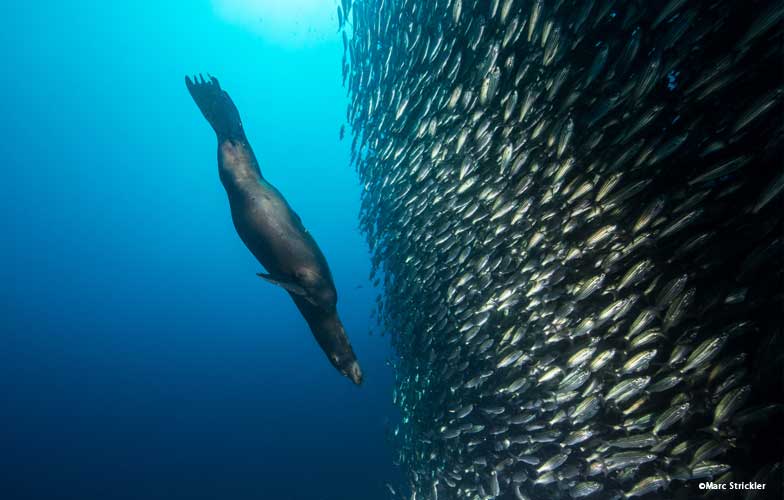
{"x": 350, "y": 369}
{"x": 340, "y": 353}
{"x": 328, "y": 330}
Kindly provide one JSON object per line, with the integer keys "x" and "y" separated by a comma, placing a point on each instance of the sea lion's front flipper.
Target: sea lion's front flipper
{"x": 287, "y": 285}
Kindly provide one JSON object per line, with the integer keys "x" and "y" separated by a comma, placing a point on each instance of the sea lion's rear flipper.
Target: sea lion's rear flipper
{"x": 287, "y": 285}
{"x": 216, "y": 106}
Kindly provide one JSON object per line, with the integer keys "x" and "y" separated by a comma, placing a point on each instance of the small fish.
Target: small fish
{"x": 571, "y": 210}
{"x": 728, "y": 405}
{"x": 670, "y": 416}
{"x": 649, "y": 485}
{"x": 553, "y": 462}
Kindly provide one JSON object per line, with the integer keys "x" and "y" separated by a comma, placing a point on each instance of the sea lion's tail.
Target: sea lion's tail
{"x": 216, "y": 106}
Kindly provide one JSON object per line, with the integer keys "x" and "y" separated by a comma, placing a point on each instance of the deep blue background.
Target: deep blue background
{"x": 140, "y": 356}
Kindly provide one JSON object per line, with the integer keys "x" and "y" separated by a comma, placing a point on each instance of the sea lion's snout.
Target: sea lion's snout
{"x": 354, "y": 373}
{"x": 348, "y": 366}
{"x": 332, "y": 338}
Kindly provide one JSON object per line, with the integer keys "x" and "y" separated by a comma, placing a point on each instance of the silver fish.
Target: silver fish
{"x": 572, "y": 212}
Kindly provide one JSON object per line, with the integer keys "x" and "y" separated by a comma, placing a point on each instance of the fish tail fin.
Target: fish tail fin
{"x": 216, "y": 106}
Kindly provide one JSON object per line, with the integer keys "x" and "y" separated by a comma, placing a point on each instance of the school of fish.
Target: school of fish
{"x": 575, "y": 212}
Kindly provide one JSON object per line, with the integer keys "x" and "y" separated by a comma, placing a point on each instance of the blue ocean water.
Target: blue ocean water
{"x": 140, "y": 356}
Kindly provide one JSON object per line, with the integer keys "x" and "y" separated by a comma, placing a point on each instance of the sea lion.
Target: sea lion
{"x": 271, "y": 230}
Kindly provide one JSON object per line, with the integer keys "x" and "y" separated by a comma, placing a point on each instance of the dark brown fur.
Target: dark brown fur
{"x": 272, "y": 231}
